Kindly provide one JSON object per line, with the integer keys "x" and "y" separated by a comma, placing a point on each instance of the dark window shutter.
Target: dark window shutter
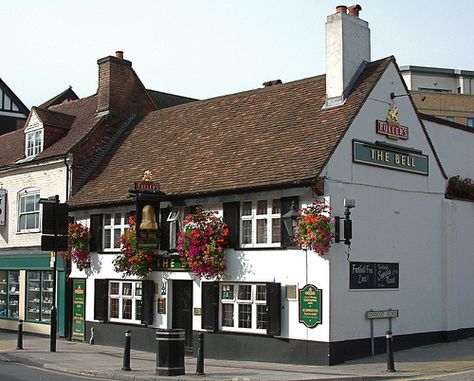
{"x": 232, "y": 219}
{"x": 286, "y": 202}
{"x": 273, "y": 309}
{"x": 96, "y": 233}
{"x": 210, "y": 306}
{"x": 165, "y": 229}
{"x": 101, "y": 299}
{"x": 148, "y": 288}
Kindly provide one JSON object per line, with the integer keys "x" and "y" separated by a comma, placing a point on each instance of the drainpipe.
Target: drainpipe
{"x": 67, "y": 160}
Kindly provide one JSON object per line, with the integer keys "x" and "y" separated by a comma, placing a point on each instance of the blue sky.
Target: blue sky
{"x": 206, "y": 48}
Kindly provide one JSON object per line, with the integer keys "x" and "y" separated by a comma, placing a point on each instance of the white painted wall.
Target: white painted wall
{"x": 49, "y": 178}
{"x": 397, "y": 218}
{"x": 454, "y": 148}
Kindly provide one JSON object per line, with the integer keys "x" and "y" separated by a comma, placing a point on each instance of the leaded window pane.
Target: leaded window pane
{"x": 126, "y": 308}
{"x": 262, "y": 231}
{"x": 246, "y": 231}
{"x": 261, "y": 292}
{"x": 247, "y": 208}
{"x": 276, "y": 230}
{"x": 245, "y": 292}
{"x": 114, "y": 308}
{"x": 262, "y": 207}
{"x": 245, "y": 316}
{"x": 261, "y": 316}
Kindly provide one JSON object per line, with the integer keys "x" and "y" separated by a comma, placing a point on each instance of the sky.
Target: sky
{"x": 207, "y": 48}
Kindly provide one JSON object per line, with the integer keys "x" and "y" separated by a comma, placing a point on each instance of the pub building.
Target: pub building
{"x": 352, "y": 138}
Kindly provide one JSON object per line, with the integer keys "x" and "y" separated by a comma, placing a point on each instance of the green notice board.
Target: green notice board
{"x": 309, "y": 305}
{"x": 78, "y": 304}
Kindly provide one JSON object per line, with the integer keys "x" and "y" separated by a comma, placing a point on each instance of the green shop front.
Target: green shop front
{"x": 26, "y": 292}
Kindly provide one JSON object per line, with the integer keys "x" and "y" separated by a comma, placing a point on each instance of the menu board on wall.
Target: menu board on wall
{"x": 373, "y": 275}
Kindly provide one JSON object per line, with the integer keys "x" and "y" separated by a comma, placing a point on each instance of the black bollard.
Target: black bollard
{"x": 19, "y": 342}
{"x": 126, "y": 350}
{"x": 390, "y": 364}
{"x": 200, "y": 355}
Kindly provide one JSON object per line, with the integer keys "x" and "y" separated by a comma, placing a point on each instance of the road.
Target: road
{"x": 14, "y": 371}
{"x": 462, "y": 375}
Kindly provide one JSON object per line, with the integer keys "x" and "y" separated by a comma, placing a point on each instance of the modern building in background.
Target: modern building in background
{"x": 444, "y": 93}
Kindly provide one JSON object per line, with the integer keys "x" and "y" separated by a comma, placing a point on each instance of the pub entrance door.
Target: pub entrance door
{"x": 183, "y": 309}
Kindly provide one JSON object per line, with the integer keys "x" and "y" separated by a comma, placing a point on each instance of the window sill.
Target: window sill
{"x": 265, "y": 248}
{"x": 30, "y": 231}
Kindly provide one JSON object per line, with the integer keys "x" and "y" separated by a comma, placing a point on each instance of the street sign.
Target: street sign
{"x": 48, "y": 223}
{"x": 384, "y": 314}
{"x": 48, "y": 244}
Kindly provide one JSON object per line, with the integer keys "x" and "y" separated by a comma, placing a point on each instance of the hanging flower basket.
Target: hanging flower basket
{"x": 201, "y": 244}
{"x": 78, "y": 246}
{"x": 313, "y": 228}
{"x": 460, "y": 188}
{"x": 133, "y": 261}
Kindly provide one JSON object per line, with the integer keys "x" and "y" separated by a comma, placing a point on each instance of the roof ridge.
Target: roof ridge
{"x": 53, "y": 111}
{"x": 52, "y": 108}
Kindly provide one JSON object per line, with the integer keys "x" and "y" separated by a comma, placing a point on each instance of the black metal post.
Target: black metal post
{"x": 19, "y": 342}
{"x": 390, "y": 363}
{"x": 52, "y": 344}
{"x": 126, "y": 350}
{"x": 200, "y": 355}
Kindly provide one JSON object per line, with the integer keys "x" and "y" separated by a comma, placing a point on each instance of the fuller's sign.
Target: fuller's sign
{"x": 147, "y": 186}
{"x": 393, "y": 158}
{"x": 3, "y": 206}
{"x": 310, "y": 303}
{"x": 391, "y": 130}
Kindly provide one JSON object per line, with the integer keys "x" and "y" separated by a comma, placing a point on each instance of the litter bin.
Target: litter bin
{"x": 170, "y": 352}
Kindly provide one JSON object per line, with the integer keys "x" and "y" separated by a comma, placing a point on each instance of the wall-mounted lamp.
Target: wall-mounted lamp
{"x": 289, "y": 219}
{"x": 348, "y": 205}
{"x": 410, "y": 94}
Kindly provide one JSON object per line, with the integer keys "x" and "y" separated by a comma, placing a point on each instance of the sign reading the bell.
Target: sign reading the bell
{"x": 148, "y": 236}
{"x": 3, "y": 206}
{"x": 310, "y": 305}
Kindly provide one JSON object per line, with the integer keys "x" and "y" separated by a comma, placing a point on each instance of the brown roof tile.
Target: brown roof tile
{"x": 270, "y": 136}
{"x": 54, "y": 118}
{"x": 13, "y": 147}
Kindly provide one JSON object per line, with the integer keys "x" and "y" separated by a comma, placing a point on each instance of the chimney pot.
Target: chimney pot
{"x": 272, "y": 83}
{"x": 354, "y": 10}
{"x": 341, "y": 9}
{"x": 119, "y": 54}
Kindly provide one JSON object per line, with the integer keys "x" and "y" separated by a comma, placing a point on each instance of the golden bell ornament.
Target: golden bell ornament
{"x": 148, "y": 218}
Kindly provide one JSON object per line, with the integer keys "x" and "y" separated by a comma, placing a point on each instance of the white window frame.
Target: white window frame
{"x": 36, "y": 136}
{"x": 134, "y": 297}
{"x": 29, "y": 192}
{"x": 111, "y": 227}
{"x": 173, "y": 220}
{"x": 269, "y": 216}
{"x": 235, "y": 301}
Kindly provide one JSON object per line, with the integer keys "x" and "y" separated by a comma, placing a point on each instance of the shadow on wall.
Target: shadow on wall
{"x": 96, "y": 265}
{"x": 239, "y": 264}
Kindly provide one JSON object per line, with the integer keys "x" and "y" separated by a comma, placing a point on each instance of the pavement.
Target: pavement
{"x": 80, "y": 358}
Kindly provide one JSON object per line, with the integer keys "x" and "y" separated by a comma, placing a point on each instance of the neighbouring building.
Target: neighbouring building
{"x": 13, "y": 112}
{"x": 445, "y": 93}
{"x": 61, "y": 144}
{"x": 348, "y": 138}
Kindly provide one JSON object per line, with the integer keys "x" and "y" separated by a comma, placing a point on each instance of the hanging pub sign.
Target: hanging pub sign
{"x": 390, "y": 127}
{"x": 3, "y": 206}
{"x": 147, "y": 212}
{"x": 384, "y": 155}
{"x": 310, "y": 305}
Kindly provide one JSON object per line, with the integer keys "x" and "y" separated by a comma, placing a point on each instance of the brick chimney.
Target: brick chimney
{"x": 120, "y": 90}
{"x": 347, "y": 52}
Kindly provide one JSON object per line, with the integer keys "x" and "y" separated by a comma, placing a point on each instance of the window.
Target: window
{"x": 39, "y": 296}
{"x": 432, "y": 90}
{"x": 470, "y": 121}
{"x": 9, "y": 294}
{"x": 450, "y": 118}
{"x": 173, "y": 219}
{"x": 114, "y": 226}
{"x": 28, "y": 210}
{"x": 243, "y": 307}
{"x": 260, "y": 223}
{"x": 34, "y": 143}
{"x": 125, "y": 301}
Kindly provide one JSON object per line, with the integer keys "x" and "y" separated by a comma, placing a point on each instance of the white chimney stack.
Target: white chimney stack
{"x": 347, "y": 52}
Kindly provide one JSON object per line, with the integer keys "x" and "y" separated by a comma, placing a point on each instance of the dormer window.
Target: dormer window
{"x": 34, "y": 142}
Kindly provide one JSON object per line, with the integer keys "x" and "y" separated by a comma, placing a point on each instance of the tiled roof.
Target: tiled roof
{"x": 164, "y": 100}
{"x": 265, "y": 137}
{"x": 79, "y": 115}
{"x": 66, "y": 95}
{"x": 85, "y": 119}
{"x": 13, "y": 147}
{"x": 54, "y": 118}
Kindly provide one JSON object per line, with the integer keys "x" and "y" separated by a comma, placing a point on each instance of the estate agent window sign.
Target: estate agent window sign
{"x": 310, "y": 305}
